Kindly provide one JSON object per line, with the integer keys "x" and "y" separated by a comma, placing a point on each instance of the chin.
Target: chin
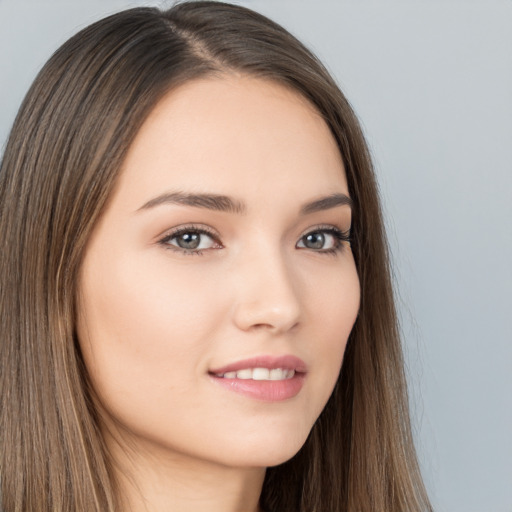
{"x": 267, "y": 451}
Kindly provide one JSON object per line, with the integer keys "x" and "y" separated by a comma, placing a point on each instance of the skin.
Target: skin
{"x": 154, "y": 320}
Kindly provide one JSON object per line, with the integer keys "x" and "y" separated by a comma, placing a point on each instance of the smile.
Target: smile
{"x": 259, "y": 374}
{"x": 265, "y": 378}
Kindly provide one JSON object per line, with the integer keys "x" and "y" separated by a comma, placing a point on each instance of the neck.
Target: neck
{"x": 152, "y": 481}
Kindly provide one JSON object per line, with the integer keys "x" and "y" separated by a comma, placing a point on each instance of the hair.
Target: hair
{"x": 59, "y": 168}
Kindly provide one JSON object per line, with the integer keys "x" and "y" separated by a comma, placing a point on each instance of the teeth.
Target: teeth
{"x": 259, "y": 374}
{"x": 277, "y": 374}
{"x": 244, "y": 374}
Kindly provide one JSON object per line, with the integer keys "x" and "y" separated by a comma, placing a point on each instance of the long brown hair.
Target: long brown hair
{"x": 60, "y": 165}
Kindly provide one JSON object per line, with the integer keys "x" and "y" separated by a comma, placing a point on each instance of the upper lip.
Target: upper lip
{"x": 286, "y": 362}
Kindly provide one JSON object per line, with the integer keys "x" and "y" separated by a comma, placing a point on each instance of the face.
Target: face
{"x": 218, "y": 290}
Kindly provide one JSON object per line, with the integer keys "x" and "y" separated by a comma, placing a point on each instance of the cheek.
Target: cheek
{"x": 143, "y": 331}
{"x": 334, "y": 312}
{"x": 130, "y": 301}
{"x": 146, "y": 336}
{"x": 334, "y": 298}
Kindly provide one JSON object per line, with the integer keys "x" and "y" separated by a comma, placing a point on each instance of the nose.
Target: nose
{"x": 267, "y": 294}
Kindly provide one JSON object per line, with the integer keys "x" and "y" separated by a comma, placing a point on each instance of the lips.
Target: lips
{"x": 264, "y": 378}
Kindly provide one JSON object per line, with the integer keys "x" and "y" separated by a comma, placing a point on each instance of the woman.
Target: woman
{"x": 196, "y": 306}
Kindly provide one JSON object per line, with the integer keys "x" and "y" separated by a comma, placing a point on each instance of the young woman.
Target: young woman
{"x": 196, "y": 306}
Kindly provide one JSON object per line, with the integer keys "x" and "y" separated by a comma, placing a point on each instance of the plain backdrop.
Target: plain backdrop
{"x": 432, "y": 84}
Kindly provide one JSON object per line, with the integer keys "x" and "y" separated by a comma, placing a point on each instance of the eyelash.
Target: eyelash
{"x": 340, "y": 237}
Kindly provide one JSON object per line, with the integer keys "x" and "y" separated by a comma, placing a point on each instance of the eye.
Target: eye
{"x": 190, "y": 240}
{"x": 324, "y": 240}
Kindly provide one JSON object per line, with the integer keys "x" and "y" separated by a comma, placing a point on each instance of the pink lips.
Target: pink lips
{"x": 265, "y": 390}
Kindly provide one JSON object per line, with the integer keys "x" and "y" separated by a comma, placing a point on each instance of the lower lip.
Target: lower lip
{"x": 264, "y": 390}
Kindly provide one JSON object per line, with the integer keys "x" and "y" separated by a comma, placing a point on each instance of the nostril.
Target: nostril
{"x": 264, "y": 318}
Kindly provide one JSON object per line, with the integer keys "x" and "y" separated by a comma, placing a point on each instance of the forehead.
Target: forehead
{"x": 234, "y": 135}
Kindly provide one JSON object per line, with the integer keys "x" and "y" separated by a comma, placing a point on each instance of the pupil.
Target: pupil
{"x": 315, "y": 240}
{"x": 189, "y": 240}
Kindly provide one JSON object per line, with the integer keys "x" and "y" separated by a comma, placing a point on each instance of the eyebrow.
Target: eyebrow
{"x": 228, "y": 204}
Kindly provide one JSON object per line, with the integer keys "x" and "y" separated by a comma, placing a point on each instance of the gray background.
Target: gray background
{"x": 432, "y": 84}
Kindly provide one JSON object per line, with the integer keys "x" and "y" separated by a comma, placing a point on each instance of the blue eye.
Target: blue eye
{"x": 324, "y": 240}
{"x": 191, "y": 240}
